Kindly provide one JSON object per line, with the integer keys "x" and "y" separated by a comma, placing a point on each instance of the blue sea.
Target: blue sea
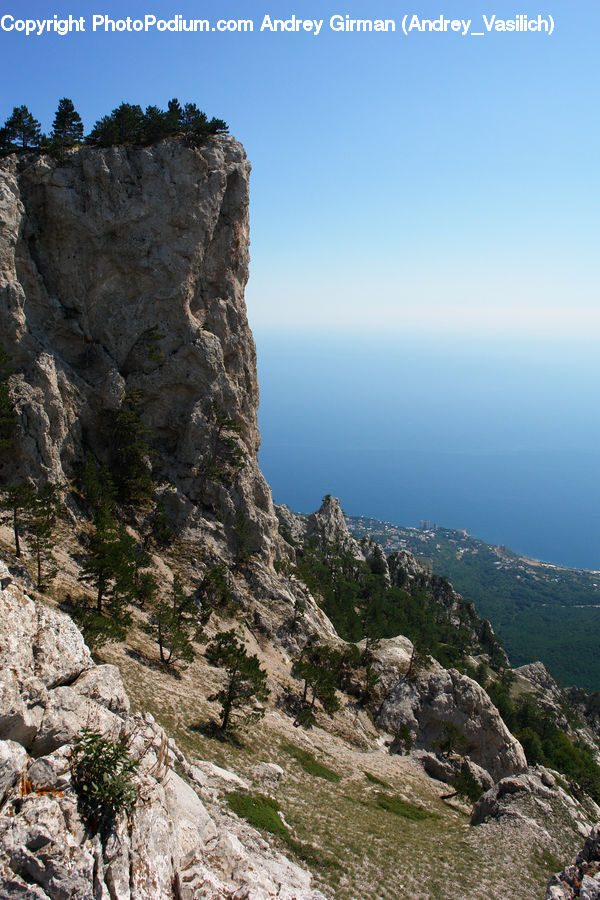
{"x": 494, "y": 436}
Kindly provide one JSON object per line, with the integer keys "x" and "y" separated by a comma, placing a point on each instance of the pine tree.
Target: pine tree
{"x": 129, "y": 447}
{"x": 193, "y": 119}
{"x": 18, "y": 500}
{"x": 175, "y": 623}
{"x": 246, "y": 681}
{"x": 173, "y": 116}
{"x": 155, "y": 124}
{"x": 226, "y": 456}
{"x": 23, "y": 128}
{"x": 318, "y": 666}
{"x": 67, "y": 128}
{"x": 110, "y": 568}
{"x": 42, "y": 521}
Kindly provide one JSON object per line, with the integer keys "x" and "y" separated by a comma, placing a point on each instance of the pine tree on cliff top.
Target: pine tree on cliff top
{"x": 68, "y": 127}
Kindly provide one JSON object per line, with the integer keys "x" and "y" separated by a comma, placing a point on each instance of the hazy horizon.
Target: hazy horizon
{"x": 497, "y": 438}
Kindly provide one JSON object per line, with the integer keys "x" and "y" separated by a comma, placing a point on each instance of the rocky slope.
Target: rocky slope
{"x": 170, "y": 846}
{"x": 122, "y": 271}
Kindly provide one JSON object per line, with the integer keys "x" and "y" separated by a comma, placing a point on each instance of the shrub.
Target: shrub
{"x": 103, "y": 777}
{"x": 466, "y": 785}
{"x": 375, "y": 780}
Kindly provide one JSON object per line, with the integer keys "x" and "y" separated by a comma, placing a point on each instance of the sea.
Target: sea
{"x": 498, "y": 436}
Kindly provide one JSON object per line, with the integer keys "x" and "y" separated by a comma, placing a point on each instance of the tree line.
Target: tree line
{"x": 127, "y": 124}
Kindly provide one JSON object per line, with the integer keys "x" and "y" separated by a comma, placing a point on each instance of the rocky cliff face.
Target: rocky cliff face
{"x": 124, "y": 269}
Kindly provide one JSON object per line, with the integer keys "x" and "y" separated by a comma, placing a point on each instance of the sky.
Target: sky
{"x": 429, "y": 182}
{"x": 424, "y": 243}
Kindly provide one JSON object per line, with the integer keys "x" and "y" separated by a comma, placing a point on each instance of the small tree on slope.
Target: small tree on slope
{"x": 246, "y": 681}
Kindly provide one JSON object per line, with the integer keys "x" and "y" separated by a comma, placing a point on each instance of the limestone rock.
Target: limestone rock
{"x": 98, "y": 249}
{"x": 104, "y": 685}
{"x": 13, "y": 758}
{"x": 438, "y": 696}
{"x": 447, "y": 768}
{"x": 170, "y": 846}
{"x": 497, "y": 802}
{"x": 328, "y": 525}
{"x": 293, "y": 527}
{"x": 582, "y": 879}
{"x": 268, "y": 775}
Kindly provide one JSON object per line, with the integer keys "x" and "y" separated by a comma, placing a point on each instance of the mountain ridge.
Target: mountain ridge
{"x": 134, "y": 396}
{"x": 535, "y": 606}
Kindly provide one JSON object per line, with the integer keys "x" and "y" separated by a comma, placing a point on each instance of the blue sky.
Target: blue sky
{"x": 424, "y": 183}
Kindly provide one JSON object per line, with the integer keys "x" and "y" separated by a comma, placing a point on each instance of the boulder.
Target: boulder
{"x": 13, "y": 759}
{"x": 438, "y": 698}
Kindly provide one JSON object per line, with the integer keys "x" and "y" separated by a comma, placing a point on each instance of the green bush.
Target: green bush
{"x": 103, "y": 773}
{"x": 263, "y": 812}
{"x": 466, "y": 785}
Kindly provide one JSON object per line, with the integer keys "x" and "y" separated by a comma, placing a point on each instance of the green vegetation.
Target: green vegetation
{"x": 246, "y": 684}
{"x": 403, "y": 808}
{"x": 175, "y": 623}
{"x": 453, "y": 740}
{"x": 129, "y": 444}
{"x": 543, "y": 741}
{"x": 35, "y": 511}
{"x": 466, "y": 785}
{"x": 17, "y": 500}
{"x": 67, "y": 128}
{"x": 310, "y": 764}
{"x": 226, "y": 456}
{"x": 21, "y": 129}
{"x": 534, "y": 608}
{"x": 103, "y": 776}
{"x": 318, "y": 666}
{"x": 361, "y": 605}
{"x": 8, "y": 418}
{"x": 127, "y": 124}
{"x": 259, "y": 810}
{"x": 263, "y": 812}
{"x": 43, "y": 513}
{"x": 375, "y": 780}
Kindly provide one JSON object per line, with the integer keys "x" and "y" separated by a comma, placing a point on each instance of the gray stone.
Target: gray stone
{"x": 75, "y": 318}
{"x": 438, "y": 696}
{"x": 13, "y": 759}
{"x": 104, "y": 685}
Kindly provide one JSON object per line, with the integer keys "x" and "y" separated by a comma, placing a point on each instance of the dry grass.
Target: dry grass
{"x": 362, "y": 851}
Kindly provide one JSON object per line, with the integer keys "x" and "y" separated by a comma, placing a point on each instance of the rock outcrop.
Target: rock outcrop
{"x": 582, "y": 878}
{"x": 438, "y": 699}
{"x": 123, "y": 269}
{"x": 177, "y": 843}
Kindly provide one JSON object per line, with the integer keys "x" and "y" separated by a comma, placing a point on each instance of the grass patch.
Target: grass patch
{"x": 375, "y": 780}
{"x": 548, "y": 861}
{"x": 260, "y": 811}
{"x": 310, "y": 764}
{"x": 403, "y": 808}
{"x": 263, "y": 812}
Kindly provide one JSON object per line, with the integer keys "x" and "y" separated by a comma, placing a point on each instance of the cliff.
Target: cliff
{"x": 122, "y": 270}
{"x": 122, "y": 274}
